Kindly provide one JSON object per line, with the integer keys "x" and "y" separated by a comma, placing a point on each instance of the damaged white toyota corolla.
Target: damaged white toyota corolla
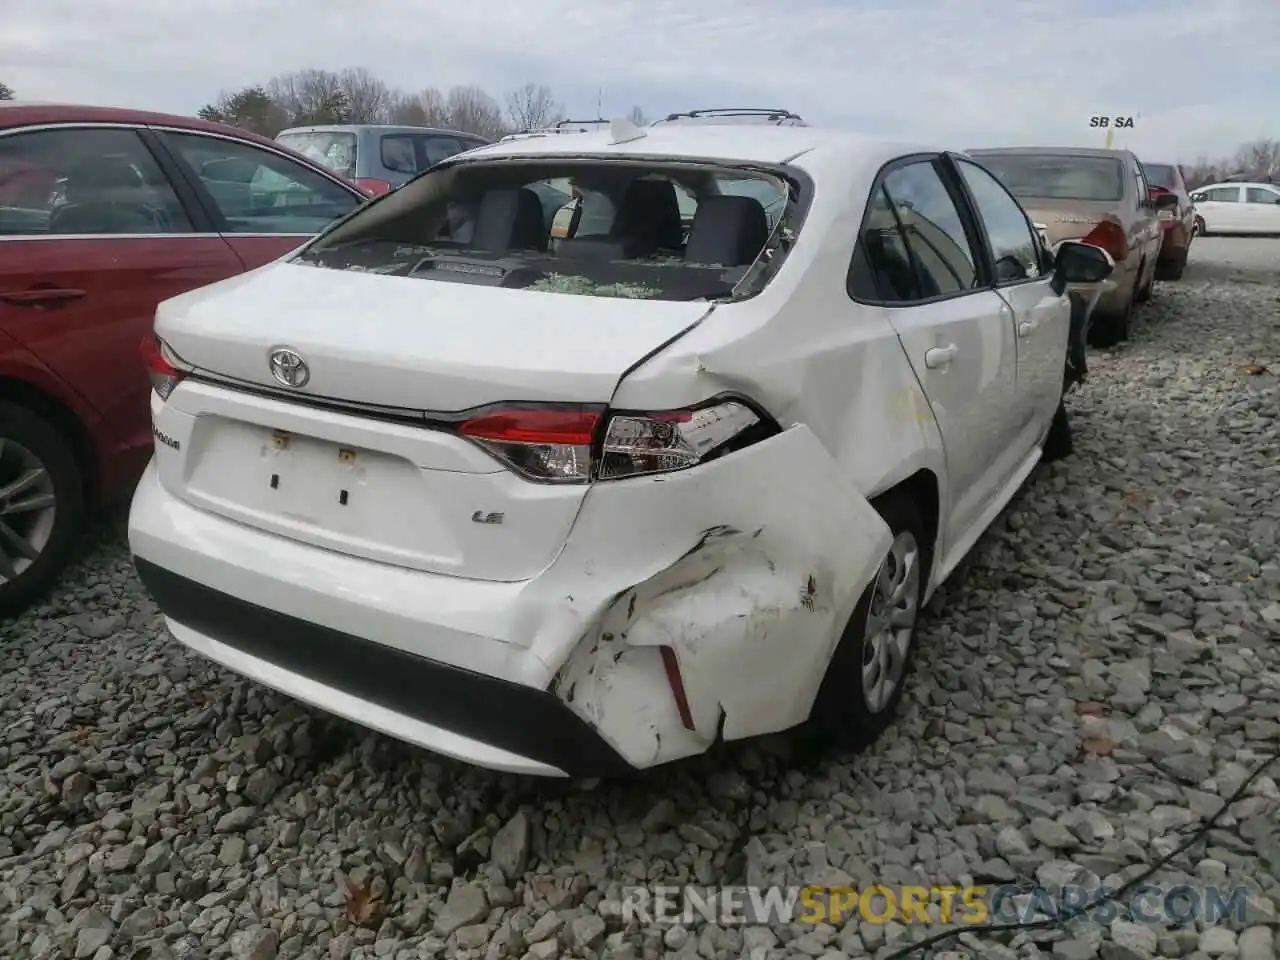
{"x": 577, "y": 454}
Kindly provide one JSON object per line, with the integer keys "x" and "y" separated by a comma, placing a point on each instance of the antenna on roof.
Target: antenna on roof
{"x": 624, "y": 131}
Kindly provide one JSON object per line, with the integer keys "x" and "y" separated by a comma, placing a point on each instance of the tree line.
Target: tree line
{"x": 1257, "y": 160}
{"x": 356, "y": 95}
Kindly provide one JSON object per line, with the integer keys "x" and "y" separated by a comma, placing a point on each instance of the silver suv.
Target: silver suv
{"x": 379, "y": 157}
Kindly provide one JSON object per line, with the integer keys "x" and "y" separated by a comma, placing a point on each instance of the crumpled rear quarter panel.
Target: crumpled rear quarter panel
{"x": 748, "y": 567}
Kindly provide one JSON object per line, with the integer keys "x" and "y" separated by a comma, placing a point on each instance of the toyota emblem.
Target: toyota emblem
{"x": 289, "y": 369}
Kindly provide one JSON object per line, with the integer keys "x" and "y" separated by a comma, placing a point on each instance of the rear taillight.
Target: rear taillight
{"x": 543, "y": 443}
{"x": 662, "y": 442}
{"x": 164, "y": 375}
{"x": 1110, "y": 237}
{"x": 373, "y": 187}
{"x": 575, "y": 444}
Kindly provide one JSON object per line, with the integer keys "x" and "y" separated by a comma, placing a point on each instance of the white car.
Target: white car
{"x": 588, "y": 505}
{"x": 1238, "y": 208}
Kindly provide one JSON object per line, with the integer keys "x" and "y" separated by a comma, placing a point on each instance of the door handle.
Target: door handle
{"x": 40, "y": 297}
{"x": 1026, "y": 328}
{"x": 940, "y": 357}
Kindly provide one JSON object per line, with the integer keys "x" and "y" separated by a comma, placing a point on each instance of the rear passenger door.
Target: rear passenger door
{"x": 1261, "y": 209}
{"x": 101, "y": 236}
{"x": 264, "y": 203}
{"x": 918, "y": 257}
{"x": 1041, "y": 317}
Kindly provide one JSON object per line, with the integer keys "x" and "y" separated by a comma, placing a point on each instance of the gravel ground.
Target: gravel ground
{"x": 1103, "y": 671}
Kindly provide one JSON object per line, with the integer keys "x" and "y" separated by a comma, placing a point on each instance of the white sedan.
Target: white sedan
{"x": 588, "y": 504}
{"x": 1238, "y": 208}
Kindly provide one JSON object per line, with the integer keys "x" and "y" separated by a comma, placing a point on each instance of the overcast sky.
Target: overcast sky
{"x": 1198, "y": 78}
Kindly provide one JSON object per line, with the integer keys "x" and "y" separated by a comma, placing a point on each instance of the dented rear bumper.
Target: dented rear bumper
{"x": 683, "y": 608}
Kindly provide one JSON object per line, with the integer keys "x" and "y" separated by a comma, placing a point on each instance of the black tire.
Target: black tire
{"x": 841, "y": 716}
{"x": 1200, "y": 229}
{"x": 1174, "y": 269}
{"x": 1057, "y": 442}
{"x": 23, "y": 428}
{"x": 1108, "y": 329}
{"x": 1143, "y": 294}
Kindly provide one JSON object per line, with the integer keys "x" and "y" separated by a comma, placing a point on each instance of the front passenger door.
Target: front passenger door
{"x": 1221, "y": 209}
{"x": 1041, "y": 318}
{"x": 922, "y": 264}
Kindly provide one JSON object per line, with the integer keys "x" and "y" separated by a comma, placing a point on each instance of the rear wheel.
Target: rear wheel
{"x": 1057, "y": 442}
{"x": 41, "y": 506}
{"x": 1144, "y": 292}
{"x": 1108, "y": 329}
{"x": 1175, "y": 268}
{"x": 865, "y": 678}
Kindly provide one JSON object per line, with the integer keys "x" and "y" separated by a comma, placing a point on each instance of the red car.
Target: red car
{"x": 103, "y": 214}
{"x": 1177, "y": 220}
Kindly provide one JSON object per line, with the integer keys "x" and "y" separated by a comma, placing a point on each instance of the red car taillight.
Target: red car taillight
{"x": 576, "y": 444}
{"x": 1110, "y": 237}
{"x": 373, "y": 187}
{"x": 164, "y": 375}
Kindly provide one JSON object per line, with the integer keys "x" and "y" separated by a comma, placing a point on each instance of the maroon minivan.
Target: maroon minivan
{"x": 104, "y": 213}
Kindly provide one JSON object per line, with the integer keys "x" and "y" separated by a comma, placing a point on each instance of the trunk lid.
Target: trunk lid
{"x": 416, "y": 343}
{"x": 389, "y": 490}
{"x": 1068, "y": 219}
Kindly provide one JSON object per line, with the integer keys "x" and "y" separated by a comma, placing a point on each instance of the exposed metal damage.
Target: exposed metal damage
{"x": 730, "y": 637}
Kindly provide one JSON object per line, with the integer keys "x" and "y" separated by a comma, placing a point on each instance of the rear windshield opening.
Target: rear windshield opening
{"x": 1056, "y": 177}
{"x": 679, "y": 231}
{"x": 334, "y": 148}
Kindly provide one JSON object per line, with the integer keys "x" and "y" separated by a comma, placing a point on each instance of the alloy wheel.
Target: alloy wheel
{"x": 27, "y": 508}
{"x": 891, "y": 621}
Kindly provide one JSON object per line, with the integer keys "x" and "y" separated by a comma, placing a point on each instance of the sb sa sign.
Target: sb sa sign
{"x": 1119, "y": 122}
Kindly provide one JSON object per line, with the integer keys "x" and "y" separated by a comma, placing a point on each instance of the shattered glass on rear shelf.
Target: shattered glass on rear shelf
{"x": 582, "y": 227}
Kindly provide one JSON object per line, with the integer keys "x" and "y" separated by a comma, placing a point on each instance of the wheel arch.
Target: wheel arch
{"x": 923, "y": 489}
{"x": 63, "y": 418}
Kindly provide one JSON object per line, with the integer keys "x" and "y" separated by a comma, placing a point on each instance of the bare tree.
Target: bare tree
{"x": 474, "y": 111}
{"x": 6, "y": 92}
{"x": 532, "y": 107}
{"x": 1261, "y": 158}
{"x": 368, "y": 99}
{"x": 436, "y": 107}
{"x": 310, "y": 97}
{"x": 407, "y": 108}
{"x": 637, "y": 117}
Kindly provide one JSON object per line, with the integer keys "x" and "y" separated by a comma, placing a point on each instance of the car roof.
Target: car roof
{"x": 1239, "y": 183}
{"x": 381, "y": 128}
{"x": 1052, "y": 151}
{"x": 24, "y": 113}
{"x": 735, "y": 142}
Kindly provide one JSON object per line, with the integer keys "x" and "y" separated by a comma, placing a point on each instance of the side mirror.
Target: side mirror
{"x": 1166, "y": 201}
{"x": 1077, "y": 262}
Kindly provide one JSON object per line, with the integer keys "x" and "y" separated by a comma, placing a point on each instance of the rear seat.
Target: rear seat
{"x": 727, "y": 230}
